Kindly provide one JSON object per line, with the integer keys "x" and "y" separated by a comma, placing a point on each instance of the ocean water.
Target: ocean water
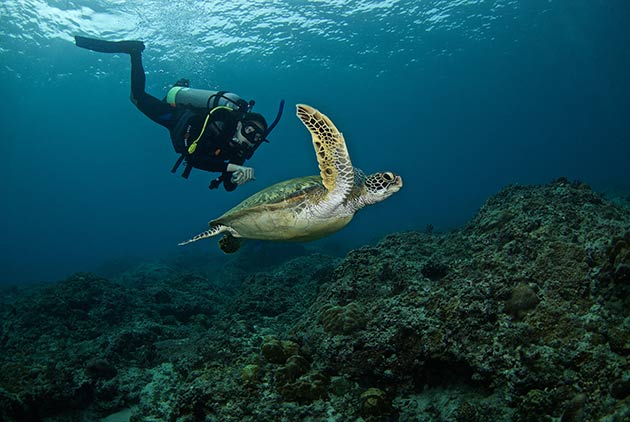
{"x": 459, "y": 97}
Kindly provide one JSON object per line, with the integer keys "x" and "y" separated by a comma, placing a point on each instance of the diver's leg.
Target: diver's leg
{"x": 156, "y": 110}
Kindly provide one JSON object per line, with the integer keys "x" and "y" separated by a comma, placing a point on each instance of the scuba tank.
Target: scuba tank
{"x": 206, "y": 99}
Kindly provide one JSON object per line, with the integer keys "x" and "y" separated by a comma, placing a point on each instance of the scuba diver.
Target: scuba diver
{"x": 214, "y": 131}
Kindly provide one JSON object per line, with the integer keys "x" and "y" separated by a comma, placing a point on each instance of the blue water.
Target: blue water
{"x": 459, "y": 97}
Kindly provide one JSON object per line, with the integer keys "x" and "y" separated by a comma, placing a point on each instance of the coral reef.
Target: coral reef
{"x": 522, "y": 315}
{"x": 342, "y": 319}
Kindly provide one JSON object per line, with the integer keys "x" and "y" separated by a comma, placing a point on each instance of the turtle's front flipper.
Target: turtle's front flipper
{"x": 212, "y": 231}
{"x": 230, "y": 244}
{"x": 332, "y": 155}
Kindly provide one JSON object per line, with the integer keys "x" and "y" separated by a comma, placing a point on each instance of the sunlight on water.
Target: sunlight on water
{"x": 309, "y": 30}
{"x": 461, "y": 98}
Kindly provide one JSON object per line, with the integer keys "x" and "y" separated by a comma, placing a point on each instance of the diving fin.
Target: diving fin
{"x": 103, "y": 46}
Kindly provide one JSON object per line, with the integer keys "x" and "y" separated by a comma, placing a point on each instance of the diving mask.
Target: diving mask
{"x": 252, "y": 132}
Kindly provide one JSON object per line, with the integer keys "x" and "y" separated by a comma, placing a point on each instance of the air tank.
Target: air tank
{"x": 202, "y": 98}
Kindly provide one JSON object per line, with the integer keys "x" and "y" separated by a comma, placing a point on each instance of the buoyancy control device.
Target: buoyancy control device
{"x": 182, "y": 96}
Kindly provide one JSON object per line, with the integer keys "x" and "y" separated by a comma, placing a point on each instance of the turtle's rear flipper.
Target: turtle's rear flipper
{"x": 230, "y": 244}
{"x": 212, "y": 231}
{"x": 103, "y": 46}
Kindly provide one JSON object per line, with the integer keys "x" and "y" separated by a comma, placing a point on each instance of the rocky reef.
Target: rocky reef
{"x": 521, "y": 315}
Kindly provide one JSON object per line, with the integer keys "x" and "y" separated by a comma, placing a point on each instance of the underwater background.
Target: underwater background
{"x": 459, "y": 97}
{"x": 495, "y": 286}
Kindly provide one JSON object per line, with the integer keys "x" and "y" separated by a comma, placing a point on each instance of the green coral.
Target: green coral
{"x": 295, "y": 367}
{"x": 250, "y": 374}
{"x": 343, "y": 319}
{"x": 374, "y": 402}
{"x": 295, "y": 380}
{"x": 307, "y": 388}
{"x": 522, "y": 300}
{"x": 278, "y": 351}
{"x": 619, "y": 255}
{"x": 619, "y": 338}
{"x": 534, "y": 405}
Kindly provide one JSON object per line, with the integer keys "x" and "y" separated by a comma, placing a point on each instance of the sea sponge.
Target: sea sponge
{"x": 342, "y": 319}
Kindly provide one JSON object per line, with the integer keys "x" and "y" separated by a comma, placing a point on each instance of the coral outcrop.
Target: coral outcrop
{"x": 522, "y": 315}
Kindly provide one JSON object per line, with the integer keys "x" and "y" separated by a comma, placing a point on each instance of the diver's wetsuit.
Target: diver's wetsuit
{"x": 214, "y": 153}
{"x": 157, "y": 110}
{"x": 214, "y": 149}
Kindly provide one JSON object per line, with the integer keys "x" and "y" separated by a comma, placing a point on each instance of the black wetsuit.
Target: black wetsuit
{"x": 214, "y": 151}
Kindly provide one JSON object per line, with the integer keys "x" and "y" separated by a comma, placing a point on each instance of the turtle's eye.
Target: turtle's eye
{"x": 388, "y": 176}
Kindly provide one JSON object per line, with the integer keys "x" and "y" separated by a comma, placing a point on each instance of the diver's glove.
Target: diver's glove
{"x": 240, "y": 174}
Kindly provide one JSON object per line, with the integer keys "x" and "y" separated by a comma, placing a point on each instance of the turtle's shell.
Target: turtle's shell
{"x": 278, "y": 212}
{"x": 286, "y": 193}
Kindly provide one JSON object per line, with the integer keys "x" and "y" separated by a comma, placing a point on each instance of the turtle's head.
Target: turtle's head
{"x": 380, "y": 186}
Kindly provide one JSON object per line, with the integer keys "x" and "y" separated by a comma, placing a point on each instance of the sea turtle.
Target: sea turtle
{"x": 305, "y": 208}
